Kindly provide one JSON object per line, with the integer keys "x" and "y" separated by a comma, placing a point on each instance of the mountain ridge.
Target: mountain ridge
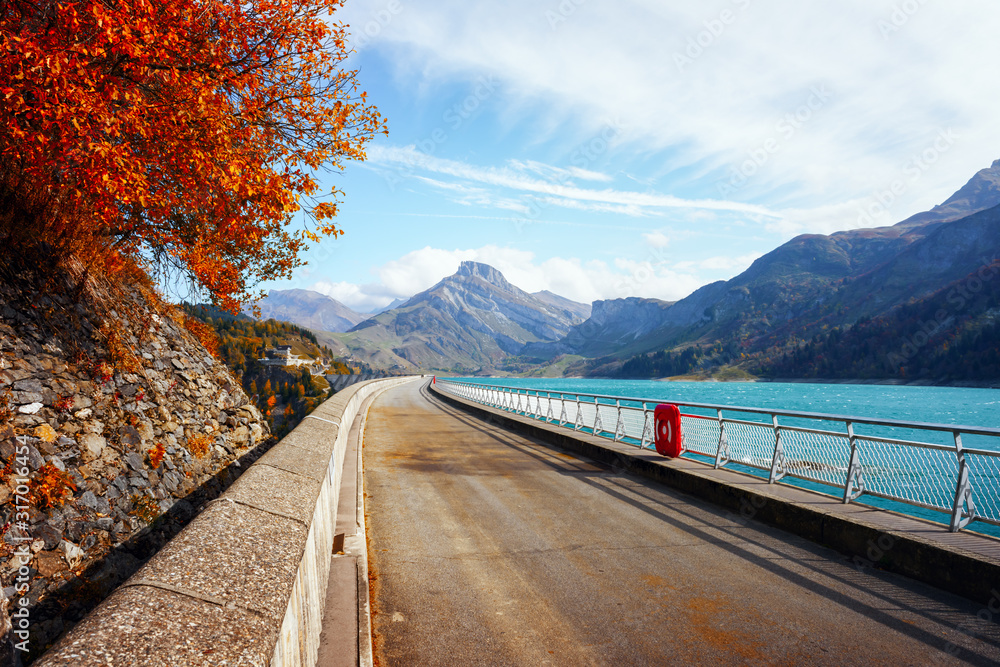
{"x": 981, "y": 192}
{"x": 815, "y": 281}
{"x": 309, "y": 309}
{"x": 472, "y": 320}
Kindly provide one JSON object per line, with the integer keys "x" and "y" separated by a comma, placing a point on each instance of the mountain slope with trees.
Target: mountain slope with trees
{"x": 285, "y": 395}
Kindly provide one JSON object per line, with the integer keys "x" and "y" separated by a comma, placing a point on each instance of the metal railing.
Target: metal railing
{"x": 962, "y": 482}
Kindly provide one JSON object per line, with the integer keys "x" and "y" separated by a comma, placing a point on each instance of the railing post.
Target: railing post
{"x": 722, "y": 451}
{"x": 647, "y": 428}
{"x": 620, "y": 423}
{"x": 578, "y": 422}
{"x": 854, "y": 486}
{"x": 562, "y": 412}
{"x": 598, "y": 424}
{"x": 548, "y": 402}
{"x": 964, "y": 508}
{"x": 778, "y": 460}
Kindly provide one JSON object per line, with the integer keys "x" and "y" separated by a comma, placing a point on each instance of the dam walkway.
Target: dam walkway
{"x": 490, "y": 548}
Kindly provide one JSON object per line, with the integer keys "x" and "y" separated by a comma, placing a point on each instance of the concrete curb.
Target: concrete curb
{"x": 244, "y": 583}
{"x": 943, "y": 566}
{"x": 366, "y": 652}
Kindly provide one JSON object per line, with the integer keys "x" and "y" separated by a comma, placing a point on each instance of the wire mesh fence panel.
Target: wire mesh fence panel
{"x": 701, "y": 434}
{"x": 609, "y": 417}
{"x": 560, "y": 410}
{"x": 750, "y": 444}
{"x": 587, "y": 414}
{"x": 634, "y": 421}
{"x": 984, "y": 478}
{"x": 913, "y": 474}
{"x": 534, "y": 405}
{"x": 545, "y": 407}
{"x": 817, "y": 456}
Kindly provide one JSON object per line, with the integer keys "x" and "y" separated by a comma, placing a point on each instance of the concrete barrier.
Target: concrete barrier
{"x": 245, "y": 582}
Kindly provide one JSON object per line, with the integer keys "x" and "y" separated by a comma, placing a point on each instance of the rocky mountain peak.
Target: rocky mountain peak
{"x": 484, "y": 272}
{"x": 980, "y": 193}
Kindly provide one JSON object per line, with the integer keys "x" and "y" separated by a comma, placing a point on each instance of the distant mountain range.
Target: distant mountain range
{"x": 802, "y": 292}
{"x": 815, "y": 282}
{"x": 308, "y": 309}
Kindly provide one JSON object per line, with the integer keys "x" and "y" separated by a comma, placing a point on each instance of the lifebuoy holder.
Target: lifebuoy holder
{"x": 669, "y": 438}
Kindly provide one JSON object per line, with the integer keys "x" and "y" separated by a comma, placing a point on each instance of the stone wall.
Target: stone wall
{"x": 245, "y": 583}
{"x": 118, "y": 424}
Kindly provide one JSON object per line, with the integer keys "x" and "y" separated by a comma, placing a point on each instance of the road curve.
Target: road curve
{"x": 487, "y": 548}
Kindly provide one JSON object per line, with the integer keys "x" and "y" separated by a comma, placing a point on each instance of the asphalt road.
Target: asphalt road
{"x": 487, "y": 548}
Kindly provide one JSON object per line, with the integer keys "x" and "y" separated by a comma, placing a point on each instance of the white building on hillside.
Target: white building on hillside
{"x": 282, "y": 356}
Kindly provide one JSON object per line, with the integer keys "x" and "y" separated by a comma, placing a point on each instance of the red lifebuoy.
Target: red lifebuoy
{"x": 667, "y": 424}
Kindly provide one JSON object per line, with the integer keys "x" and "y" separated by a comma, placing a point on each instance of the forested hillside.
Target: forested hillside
{"x": 954, "y": 335}
{"x": 284, "y": 394}
{"x": 951, "y": 336}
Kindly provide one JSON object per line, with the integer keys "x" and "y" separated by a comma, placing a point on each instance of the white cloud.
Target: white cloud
{"x": 563, "y": 175}
{"x": 656, "y": 239}
{"x": 892, "y": 80}
{"x": 403, "y": 160}
{"x": 731, "y": 265}
{"x": 573, "y": 278}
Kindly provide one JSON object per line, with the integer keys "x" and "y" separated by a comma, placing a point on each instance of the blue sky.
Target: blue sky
{"x": 612, "y": 148}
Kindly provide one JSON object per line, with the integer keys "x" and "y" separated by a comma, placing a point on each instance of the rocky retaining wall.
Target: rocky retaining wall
{"x": 245, "y": 582}
{"x": 115, "y": 426}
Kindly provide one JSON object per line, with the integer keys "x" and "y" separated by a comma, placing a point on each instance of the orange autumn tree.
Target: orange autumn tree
{"x": 183, "y": 134}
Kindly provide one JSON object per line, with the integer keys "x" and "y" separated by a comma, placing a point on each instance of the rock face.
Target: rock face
{"x": 118, "y": 423}
{"x": 576, "y": 310}
{"x": 613, "y": 325}
{"x": 470, "y": 320}
{"x": 309, "y": 309}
